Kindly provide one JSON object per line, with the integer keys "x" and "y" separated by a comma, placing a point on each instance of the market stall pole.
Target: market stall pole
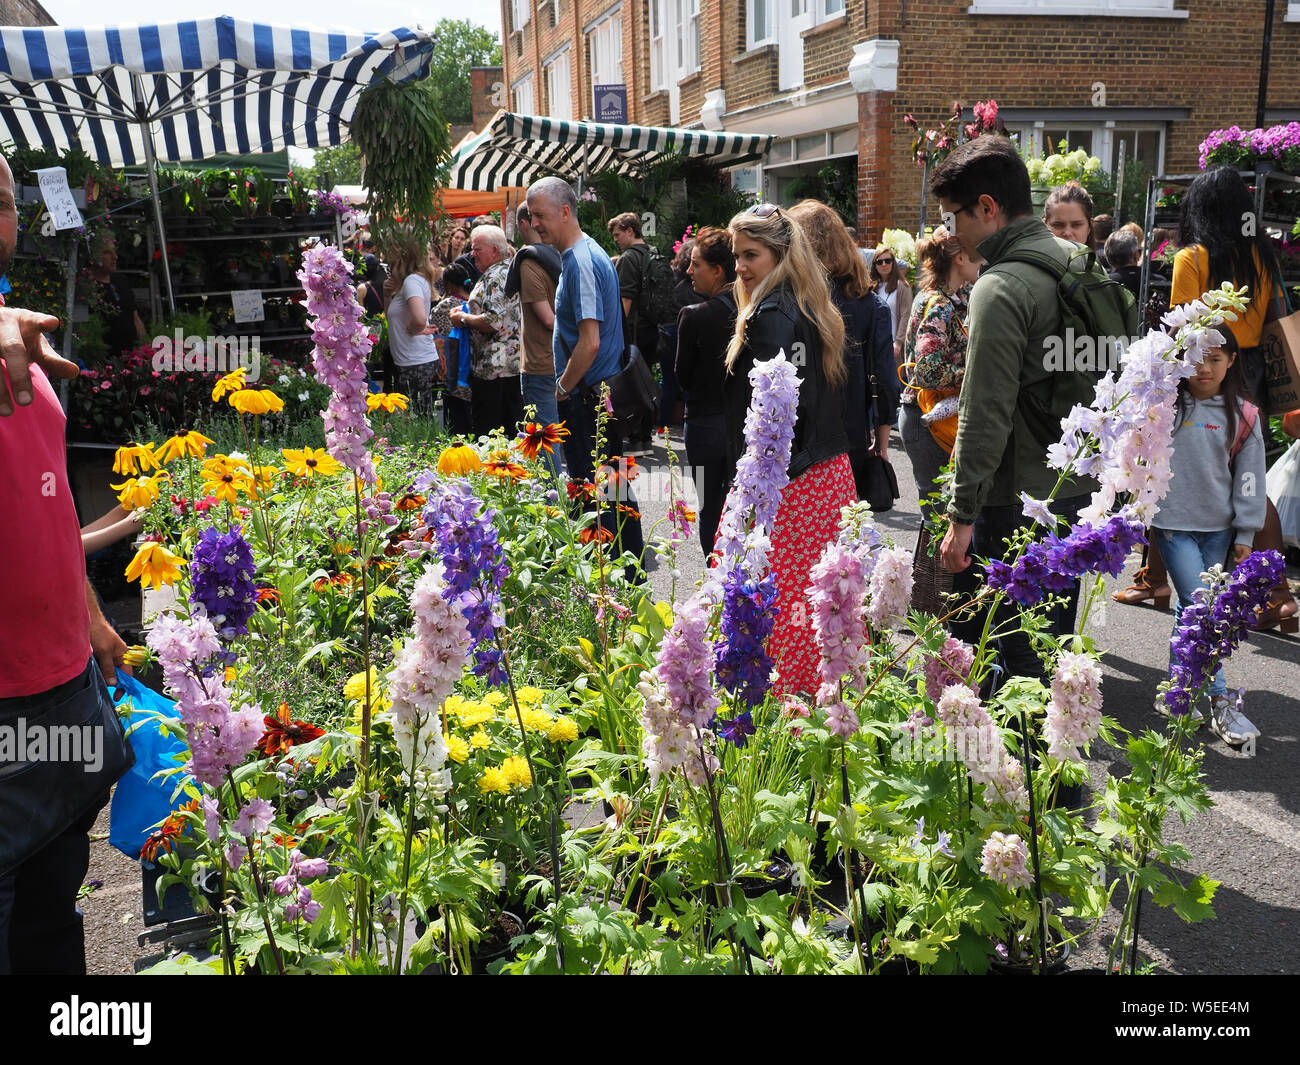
{"x": 151, "y": 165}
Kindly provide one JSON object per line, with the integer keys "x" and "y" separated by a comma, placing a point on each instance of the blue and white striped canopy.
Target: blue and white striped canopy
{"x": 202, "y": 87}
{"x": 516, "y": 150}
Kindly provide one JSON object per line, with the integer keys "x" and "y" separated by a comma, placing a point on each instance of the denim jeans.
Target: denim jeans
{"x": 539, "y": 393}
{"x": 1187, "y": 555}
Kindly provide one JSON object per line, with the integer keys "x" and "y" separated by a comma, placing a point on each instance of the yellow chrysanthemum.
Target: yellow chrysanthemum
{"x": 479, "y": 740}
{"x": 515, "y": 770}
{"x": 310, "y": 462}
{"x": 139, "y": 492}
{"x": 355, "y": 689}
{"x": 135, "y": 458}
{"x": 232, "y": 382}
{"x": 457, "y": 749}
{"x": 564, "y": 730}
{"x": 494, "y": 779}
{"x": 529, "y": 696}
{"x": 472, "y": 714}
{"x": 459, "y": 459}
{"x": 536, "y": 720}
{"x": 154, "y": 566}
{"x": 256, "y": 401}
{"x": 495, "y": 699}
{"x": 188, "y": 443}
{"x": 387, "y": 401}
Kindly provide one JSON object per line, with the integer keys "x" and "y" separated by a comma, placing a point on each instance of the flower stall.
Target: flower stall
{"x": 432, "y": 726}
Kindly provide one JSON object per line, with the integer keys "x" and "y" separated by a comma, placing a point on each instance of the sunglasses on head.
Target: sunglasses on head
{"x": 764, "y": 210}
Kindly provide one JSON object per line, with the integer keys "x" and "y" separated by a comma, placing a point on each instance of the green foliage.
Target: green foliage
{"x": 458, "y": 45}
{"x": 835, "y": 184}
{"x": 341, "y": 165}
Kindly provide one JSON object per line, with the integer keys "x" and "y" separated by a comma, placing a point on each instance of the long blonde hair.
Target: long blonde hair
{"x": 833, "y": 246}
{"x": 796, "y": 266}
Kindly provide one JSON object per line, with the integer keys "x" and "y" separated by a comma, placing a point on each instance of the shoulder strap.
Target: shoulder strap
{"x": 1245, "y": 426}
{"x": 1036, "y": 258}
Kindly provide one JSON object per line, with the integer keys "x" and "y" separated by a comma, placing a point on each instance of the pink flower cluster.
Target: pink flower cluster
{"x": 300, "y": 868}
{"x": 1074, "y": 712}
{"x": 951, "y": 666}
{"x": 1234, "y": 145}
{"x": 837, "y": 596}
{"x": 424, "y": 673}
{"x": 680, "y": 700}
{"x": 219, "y": 738}
{"x": 342, "y": 343}
{"x": 891, "y": 588}
{"x": 1005, "y": 859}
{"x": 979, "y": 744}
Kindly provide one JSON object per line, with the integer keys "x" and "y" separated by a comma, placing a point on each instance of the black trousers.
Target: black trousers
{"x": 496, "y": 403}
{"x": 706, "y": 450}
{"x": 1015, "y": 652}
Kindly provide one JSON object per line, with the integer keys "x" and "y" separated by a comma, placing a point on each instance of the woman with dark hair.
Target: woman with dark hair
{"x": 868, "y": 337}
{"x": 1219, "y": 246}
{"x": 783, "y": 304}
{"x": 671, "y": 407}
{"x": 1068, "y": 213}
{"x": 890, "y": 282}
{"x": 703, "y": 332}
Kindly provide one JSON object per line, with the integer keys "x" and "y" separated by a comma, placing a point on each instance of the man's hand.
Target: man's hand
{"x": 952, "y": 552}
{"x": 1240, "y": 552}
{"x": 108, "y": 648}
{"x": 23, "y": 342}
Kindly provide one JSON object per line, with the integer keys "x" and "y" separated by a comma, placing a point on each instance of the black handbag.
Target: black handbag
{"x": 633, "y": 392}
{"x": 881, "y": 480}
{"x": 44, "y": 791}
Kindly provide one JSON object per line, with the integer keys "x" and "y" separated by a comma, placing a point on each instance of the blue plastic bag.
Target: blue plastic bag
{"x": 461, "y": 335}
{"x": 139, "y": 802}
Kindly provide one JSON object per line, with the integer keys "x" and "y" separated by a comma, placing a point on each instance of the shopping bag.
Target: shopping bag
{"x": 1284, "y": 491}
{"x": 141, "y": 800}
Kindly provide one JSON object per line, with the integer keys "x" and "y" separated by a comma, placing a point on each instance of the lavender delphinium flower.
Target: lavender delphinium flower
{"x": 1215, "y": 621}
{"x": 474, "y": 565}
{"x": 221, "y": 579}
{"x": 342, "y": 343}
{"x": 837, "y": 596}
{"x": 749, "y": 611}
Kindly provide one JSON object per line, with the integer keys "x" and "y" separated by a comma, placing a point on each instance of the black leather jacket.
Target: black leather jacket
{"x": 777, "y": 324}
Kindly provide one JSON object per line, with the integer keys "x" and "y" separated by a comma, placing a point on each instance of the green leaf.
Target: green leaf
{"x": 1193, "y": 902}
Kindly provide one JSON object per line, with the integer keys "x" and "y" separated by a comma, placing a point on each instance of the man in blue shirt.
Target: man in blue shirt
{"x": 588, "y": 347}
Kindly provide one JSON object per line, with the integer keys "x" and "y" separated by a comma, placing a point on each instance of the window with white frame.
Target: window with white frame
{"x": 829, "y": 9}
{"x": 674, "y": 41}
{"x": 1292, "y": 11}
{"x": 760, "y": 23}
{"x": 559, "y": 87}
{"x": 1139, "y": 142}
{"x": 605, "y": 47}
{"x": 520, "y": 12}
{"x": 522, "y": 90}
{"x": 1112, "y": 8}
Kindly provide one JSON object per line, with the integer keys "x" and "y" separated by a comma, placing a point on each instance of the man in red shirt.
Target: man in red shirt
{"x": 52, "y": 635}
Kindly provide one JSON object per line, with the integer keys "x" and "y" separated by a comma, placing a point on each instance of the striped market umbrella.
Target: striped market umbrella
{"x": 519, "y": 149}
{"x": 132, "y": 95}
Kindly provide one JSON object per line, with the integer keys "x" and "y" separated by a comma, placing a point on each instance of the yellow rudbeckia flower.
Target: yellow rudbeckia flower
{"x": 138, "y": 492}
{"x": 135, "y": 458}
{"x": 232, "y": 382}
{"x": 310, "y": 462}
{"x": 135, "y": 656}
{"x": 226, "y": 484}
{"x": 191, "y": 442}
{"x": 386, "y": 401}
{"x": 256, "y": 401}
{"x": 459, "y": 459}
{"x": 154, "y": 566}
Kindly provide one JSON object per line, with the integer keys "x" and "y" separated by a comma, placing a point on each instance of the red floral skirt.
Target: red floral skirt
{"x": 807, "y": 521}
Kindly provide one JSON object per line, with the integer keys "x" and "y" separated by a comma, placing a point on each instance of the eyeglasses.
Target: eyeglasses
{"x": 884, "y": 262}
{"x": 764, "y": 210}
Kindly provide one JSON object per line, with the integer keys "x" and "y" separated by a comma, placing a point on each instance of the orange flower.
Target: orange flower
{"x": 411, "y": 501}
{"x": 595, "y": 533}
{"x": 629, "y": 512}
{"x": 267, "y": 595}
{"x": 504, "y": 468}
{"x": 620, "y": 468}
{"x": 282, "y": 733}
{"x": 536, "y": 437}
{"x": 582, "y": 490}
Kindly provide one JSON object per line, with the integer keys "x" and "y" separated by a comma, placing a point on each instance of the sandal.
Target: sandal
{"x": 1142, "y": 589}
{"x": 1282, "y": 611}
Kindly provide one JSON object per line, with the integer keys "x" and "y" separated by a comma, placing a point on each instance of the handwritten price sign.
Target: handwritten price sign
{"x": 58, "y": 198}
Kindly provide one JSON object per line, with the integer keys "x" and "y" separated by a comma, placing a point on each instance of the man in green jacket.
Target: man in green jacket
{"x": 983, "y": 191}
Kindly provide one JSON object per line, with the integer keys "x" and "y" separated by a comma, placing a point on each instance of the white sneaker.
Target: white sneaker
{"x": 1229, "y": 723}
{"x": 1163, "y": 710}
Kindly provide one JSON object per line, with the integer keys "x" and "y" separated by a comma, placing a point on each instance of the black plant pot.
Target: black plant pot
{"x": 1058, "y": 957}
{"x": 777, "y": 875}
{"x": 495, "y": 944}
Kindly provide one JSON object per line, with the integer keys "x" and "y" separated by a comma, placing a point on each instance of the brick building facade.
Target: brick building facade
{"x": 832, "y": 79}
{"x": 24, "y": 13}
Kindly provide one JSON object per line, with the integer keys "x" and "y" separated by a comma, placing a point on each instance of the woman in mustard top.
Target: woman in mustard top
{"x": 1222, "y": 241}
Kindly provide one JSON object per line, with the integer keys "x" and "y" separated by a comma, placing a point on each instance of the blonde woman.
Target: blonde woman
{"x": 415, "y": 268}
{"x": 783, "y": 304}
{"x": 892, "y": 287}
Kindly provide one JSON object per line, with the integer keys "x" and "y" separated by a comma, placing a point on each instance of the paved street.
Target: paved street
{"x": 1250, "y": 841}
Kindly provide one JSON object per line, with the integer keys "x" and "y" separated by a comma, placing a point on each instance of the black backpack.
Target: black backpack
{"x": 657, "y": 304}
{"x": 1094, "y": 308}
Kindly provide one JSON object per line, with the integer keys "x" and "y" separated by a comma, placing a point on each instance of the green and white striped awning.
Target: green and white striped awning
{"x": 515, "y": 150}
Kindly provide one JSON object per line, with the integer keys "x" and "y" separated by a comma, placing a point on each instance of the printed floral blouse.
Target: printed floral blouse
{"x": 495, "y": 354}
{"x": 936, "y": 340}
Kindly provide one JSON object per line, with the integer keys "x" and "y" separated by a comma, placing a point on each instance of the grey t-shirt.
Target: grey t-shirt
{"x": 410, "y": 350}
{"x": 1207, "y": 493}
